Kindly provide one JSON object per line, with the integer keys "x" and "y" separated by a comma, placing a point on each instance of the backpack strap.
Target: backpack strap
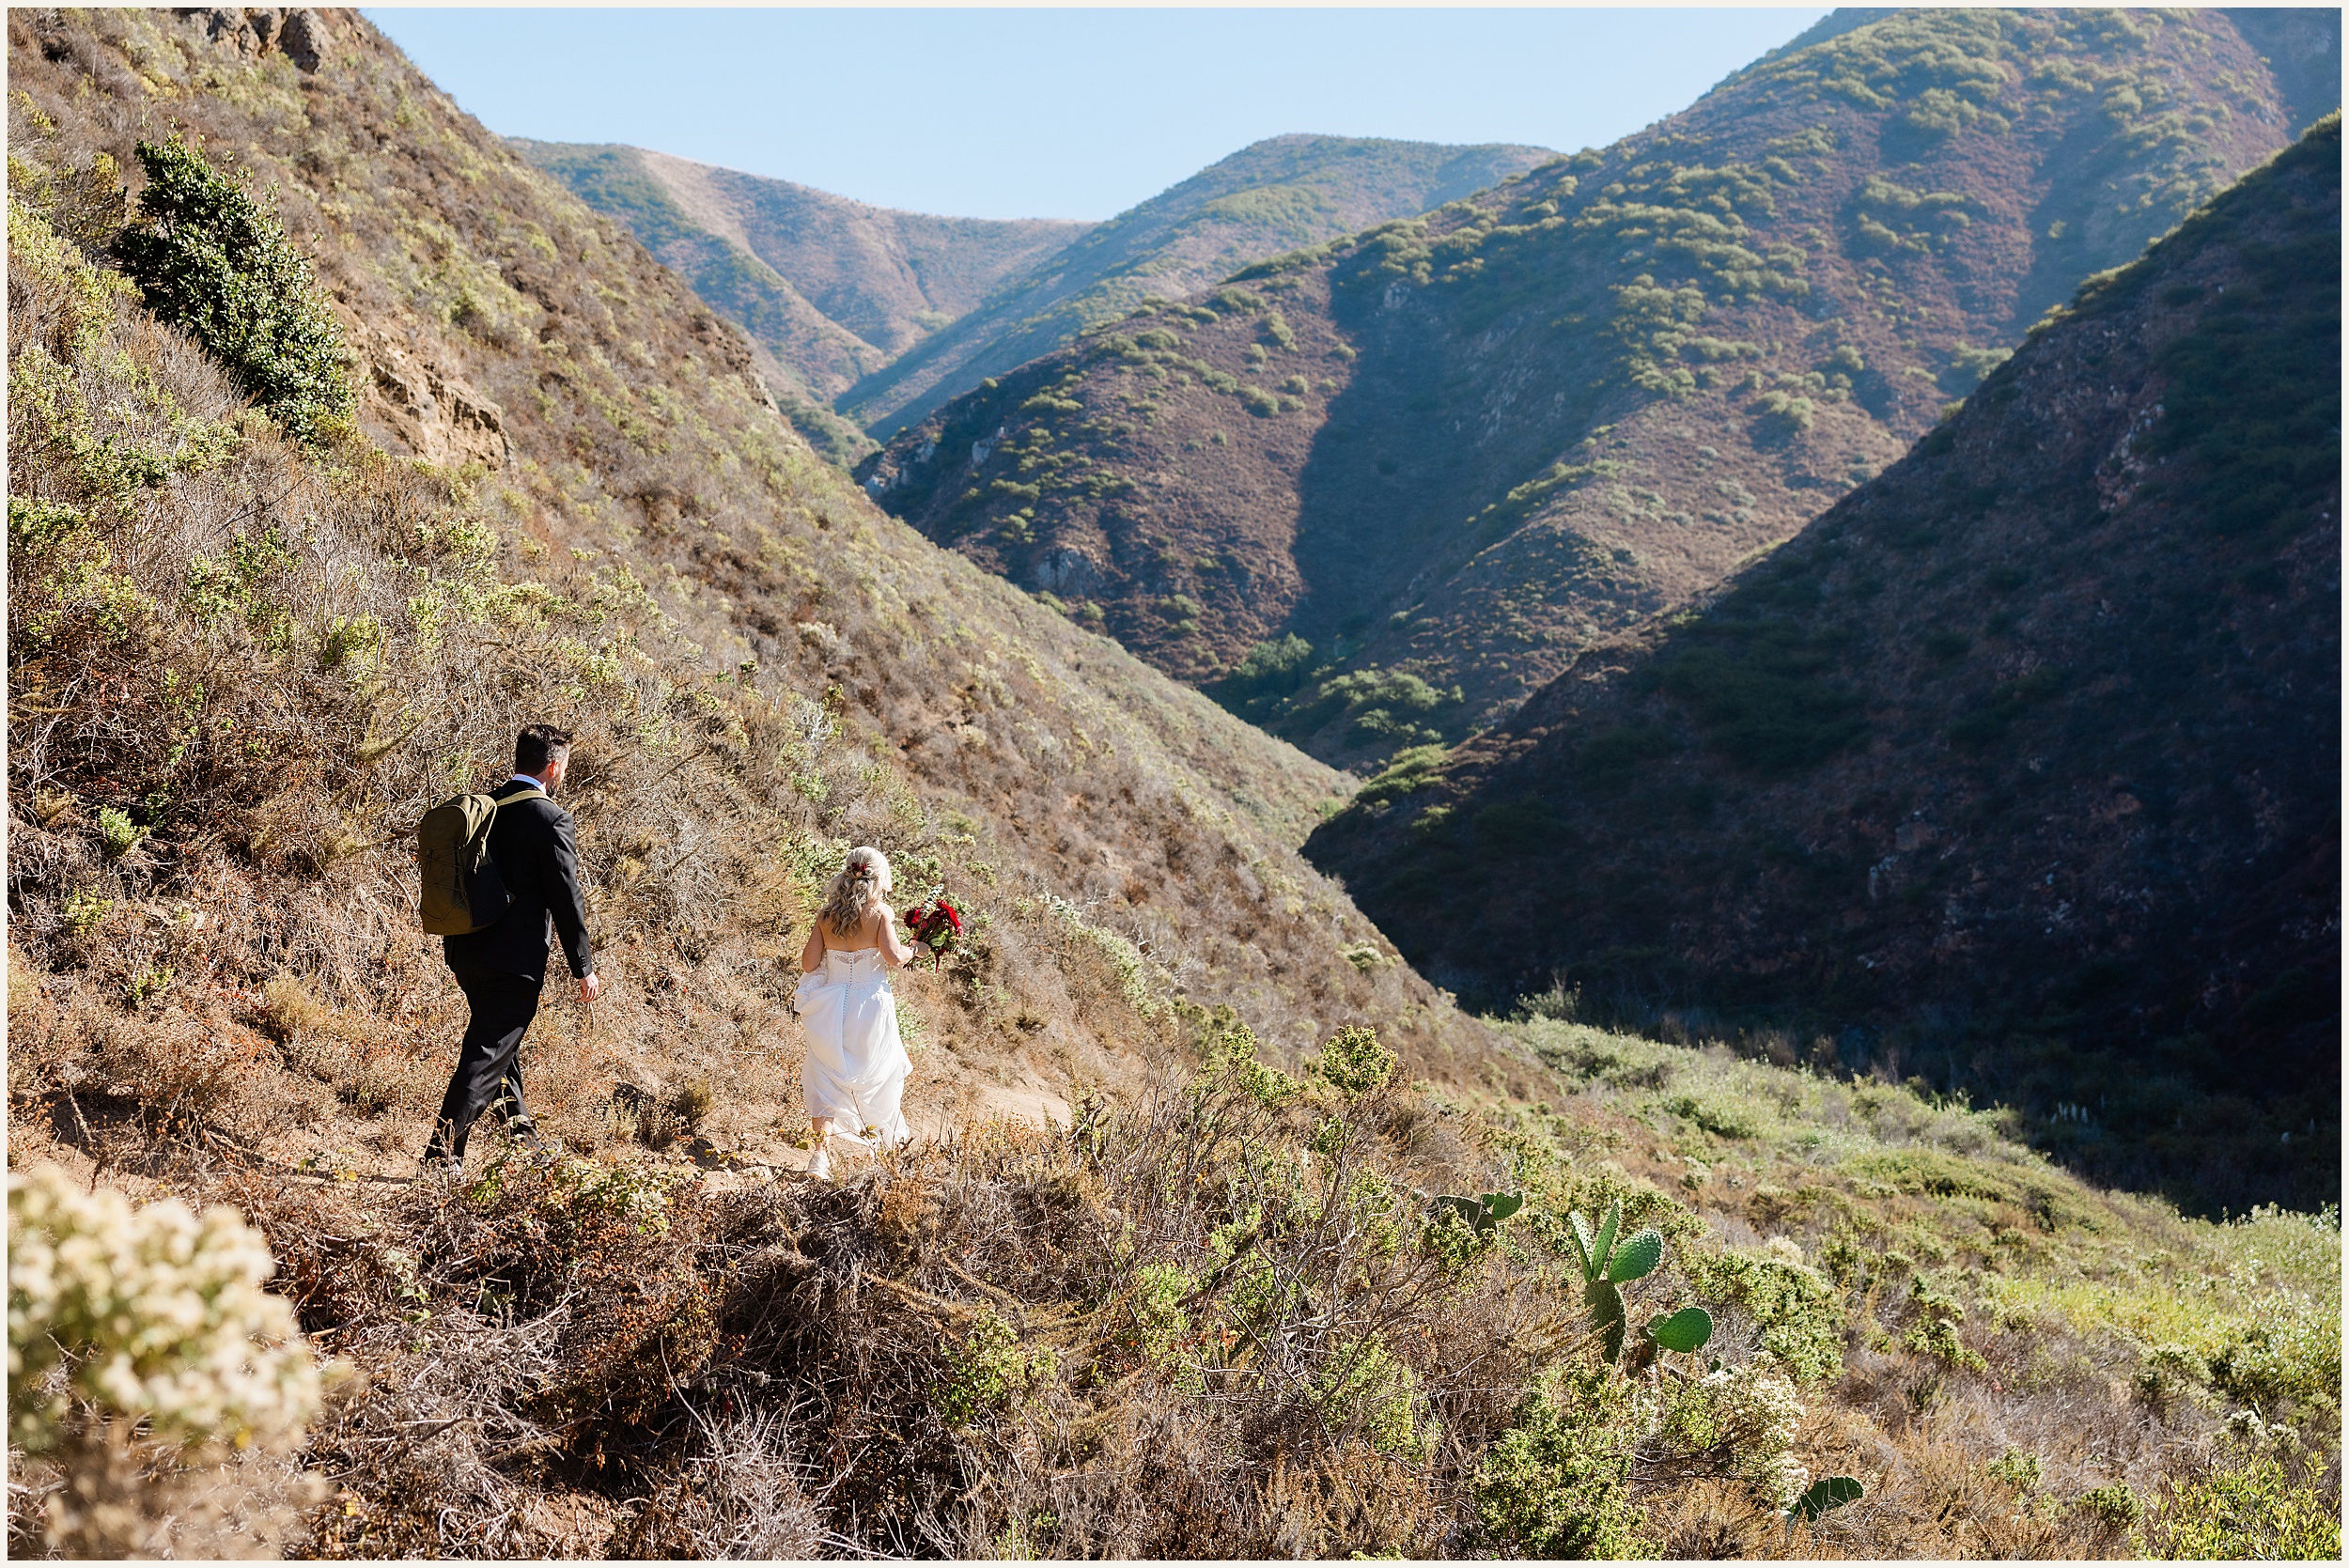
{"x": 515, "y": 799}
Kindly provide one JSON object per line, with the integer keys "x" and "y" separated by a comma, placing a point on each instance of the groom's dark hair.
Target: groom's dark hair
{"x": 536, "y": 747}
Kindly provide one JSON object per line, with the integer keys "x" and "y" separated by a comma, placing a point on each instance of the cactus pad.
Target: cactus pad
{"x": 1832, "y": 1491}
{"x": 1481, "y": 1214}
{"x": 1688, "y": 1329}
{"x": 1637, "y": 1257}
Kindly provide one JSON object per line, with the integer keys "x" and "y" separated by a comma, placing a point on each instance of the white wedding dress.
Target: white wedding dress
{"x": 856, "y": 1065}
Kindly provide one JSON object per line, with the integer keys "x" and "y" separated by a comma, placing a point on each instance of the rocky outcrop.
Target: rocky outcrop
{"x": 300, "y": 34}
{"x": 426, "y": 411}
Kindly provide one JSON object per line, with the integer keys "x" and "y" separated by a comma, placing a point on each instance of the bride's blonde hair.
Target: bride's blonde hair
{"x": 863, "y": 883}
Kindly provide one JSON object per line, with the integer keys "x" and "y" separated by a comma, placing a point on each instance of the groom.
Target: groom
{"x": 501, "y": 967}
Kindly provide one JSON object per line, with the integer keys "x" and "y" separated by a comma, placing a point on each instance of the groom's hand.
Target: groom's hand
{"x": 590, "y": 987}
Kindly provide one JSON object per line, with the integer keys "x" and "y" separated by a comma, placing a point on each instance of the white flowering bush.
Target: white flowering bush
{"x": 1747, "y": 1417}
{"x": 157, "y": 1314}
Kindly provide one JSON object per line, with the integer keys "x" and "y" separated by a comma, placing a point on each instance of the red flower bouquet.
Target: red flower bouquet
{"x": 937, "y": 925}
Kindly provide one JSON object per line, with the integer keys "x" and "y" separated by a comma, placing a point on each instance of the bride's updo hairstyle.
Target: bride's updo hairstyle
{"x": 863, "y": 882}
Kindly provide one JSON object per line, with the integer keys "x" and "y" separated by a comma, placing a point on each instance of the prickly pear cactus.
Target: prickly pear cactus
{"x": 1583, "y": 1244}
{"x": 1482, "y": 1215}
{"x": 1607, "y": 1266}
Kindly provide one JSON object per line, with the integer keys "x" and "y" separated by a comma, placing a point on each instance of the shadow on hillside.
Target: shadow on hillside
{"x": 2084, "y": 1106}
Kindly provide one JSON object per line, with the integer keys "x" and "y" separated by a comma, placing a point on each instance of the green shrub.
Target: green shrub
{"x": 1968, "y": 366}
{"x": 1394, "y": 695}
{"x": 1410, "y": 769}
{"x": 1231, "y": 1063}
{"x": 1937, "y": 1337}
{"x": 1363, "y": 1386}
{"x": 1783, "y": 413}
{"x": 2292, "y": 1359}
{"x": 2115, "y": 1507}
{"x": 1354, "y": 1063}
{"x": 1557, "y": 1484}
{"x": 1745, "y": 1419}
{"x": 1161, "y": 1325}
{"x": 2018, "y": 1468}
{"x": 992, "y": 1368}
{"x": 1721, "y": 1121}
{"x": 120, "y": 834}
{"x": 1802, "y": 1322}
{"x": 1268, "y": 671}
{"x": 209, "y": 260}
{"x": 2248, "y": 1509}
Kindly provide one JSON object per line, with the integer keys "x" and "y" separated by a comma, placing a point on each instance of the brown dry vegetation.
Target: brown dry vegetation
{"x": 825, "y": 288}
{"x": 1217, "y": 1318}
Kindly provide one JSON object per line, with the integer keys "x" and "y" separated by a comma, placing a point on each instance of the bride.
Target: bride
{"x": 856, "y": 1065}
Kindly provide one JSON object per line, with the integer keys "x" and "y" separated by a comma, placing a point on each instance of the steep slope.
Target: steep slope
{"x": 2303, "y": 48}
{"x": 1416, "y": 474}
{"x": 828, "y": 289}
{"x": 618, "y": 535}
{"x": 1267, "y": 198}
{"x": 2021, "y": 765}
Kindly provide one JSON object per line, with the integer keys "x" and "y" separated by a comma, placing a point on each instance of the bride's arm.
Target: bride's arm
{"x": 900, "y": 952}
{"x": 812, "y": 954}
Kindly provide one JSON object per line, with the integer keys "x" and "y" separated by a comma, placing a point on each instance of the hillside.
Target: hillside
{"x": 617, "y": 534}
{"x": 1266, "y": 199}
{"x": 1384, "y": 491}
{"x": 1274, "y": 1292}
{"x": 1081, "y": 1347}
{"x": 2019, "y": 768}
{"x": 828, "y": 289}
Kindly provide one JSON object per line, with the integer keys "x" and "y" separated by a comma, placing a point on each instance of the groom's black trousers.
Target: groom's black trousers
{"x": 489, "y": 1063}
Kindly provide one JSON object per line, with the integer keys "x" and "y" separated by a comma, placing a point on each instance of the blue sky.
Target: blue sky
{"x": 1063, "y": 113}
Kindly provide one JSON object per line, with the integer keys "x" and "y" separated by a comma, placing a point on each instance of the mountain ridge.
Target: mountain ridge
{"x": 1532, "y": 419}
{"x": 829, "y": 288}
{"x": 1270, "y": 196}
{"x": 1188, "y": 1259}
{"x": 2020, "y": 763}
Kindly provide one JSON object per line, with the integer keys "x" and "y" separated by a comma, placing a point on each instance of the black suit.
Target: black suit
{"x": 502, "y": 967}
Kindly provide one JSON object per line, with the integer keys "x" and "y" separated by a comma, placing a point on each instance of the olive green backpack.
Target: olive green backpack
{"x": 461, "y": 891}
